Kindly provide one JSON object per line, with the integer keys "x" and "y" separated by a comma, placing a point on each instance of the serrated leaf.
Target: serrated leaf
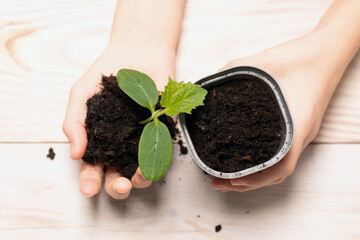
{"x": 155, "y": 150}
{"x": 181, "y": 97}
{"x": 139, "y": 87}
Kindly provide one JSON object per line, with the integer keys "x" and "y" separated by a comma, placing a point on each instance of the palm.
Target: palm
{"x": 108, "y": 63}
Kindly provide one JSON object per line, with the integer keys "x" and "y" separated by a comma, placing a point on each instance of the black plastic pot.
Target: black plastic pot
{"x": 287, "y": 128}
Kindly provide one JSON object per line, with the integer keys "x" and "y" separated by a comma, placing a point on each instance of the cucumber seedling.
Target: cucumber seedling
{"x": 155, "y": 146}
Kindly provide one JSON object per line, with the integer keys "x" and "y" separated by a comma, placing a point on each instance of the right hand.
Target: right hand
{"x": 300, "y": 68}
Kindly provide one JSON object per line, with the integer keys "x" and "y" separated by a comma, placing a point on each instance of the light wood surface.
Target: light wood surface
{"x": 40, "y": 198}
{"x": 46, "y": 45}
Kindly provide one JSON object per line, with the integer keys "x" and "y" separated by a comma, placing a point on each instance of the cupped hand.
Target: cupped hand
{"x": 299, "y": 67}
{"x": 158, "y": 64}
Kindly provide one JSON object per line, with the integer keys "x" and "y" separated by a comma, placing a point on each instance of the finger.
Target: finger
{"x": 139, "y": 181}
{"x": 235, "y": 63}
{"x": 90, "y": 178}
{"x": 224, "y": 185}
{"x": 220, "y": 184}
{"x": 266, "y": 177}
{"x": 117, "y": 186}
{"x": 253, "y": 60}
{"x": 74, "y": 123}
{"x": 270, "y": 176}
{"x": 278, "y": 181}
{"x": 246, "y": 183}
{"x": 227, "y": 186}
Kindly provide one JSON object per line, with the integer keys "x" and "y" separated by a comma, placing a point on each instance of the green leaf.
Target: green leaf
{"x": 138, "y": 86}
{"x": 155, "y": 150}
{"x": 181, "y": 97}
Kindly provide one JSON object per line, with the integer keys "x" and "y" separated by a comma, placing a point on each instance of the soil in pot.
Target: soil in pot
{"x": 240, "y": 125}
{"x": 113, "y": 128}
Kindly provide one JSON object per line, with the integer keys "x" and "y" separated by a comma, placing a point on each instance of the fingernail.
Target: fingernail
{"x": 238, "y": 183}
{"x": 121, "y": 191}
{"x": 87, "y": 188}
{"x": 122, "y": 186}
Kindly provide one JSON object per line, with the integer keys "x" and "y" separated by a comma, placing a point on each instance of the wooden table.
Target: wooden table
{"x": 46, "y": 45}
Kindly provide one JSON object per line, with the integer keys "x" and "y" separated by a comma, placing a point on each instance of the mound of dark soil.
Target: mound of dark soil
{"x": 239, "y": 126}
{"x": 113, "y": 130}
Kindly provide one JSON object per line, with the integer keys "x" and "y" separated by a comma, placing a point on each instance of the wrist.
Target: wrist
{"x": 141, "y": 42}
{"x": 134, "y": 44}
{"x": 158, "y": 63}
{"x": 149, "y": 23}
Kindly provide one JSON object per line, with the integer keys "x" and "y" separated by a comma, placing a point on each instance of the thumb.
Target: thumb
{"x": 74, "y": 124}
{"x": 235, "y": 63}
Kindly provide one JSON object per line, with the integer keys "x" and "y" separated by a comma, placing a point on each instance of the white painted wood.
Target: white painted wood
{"x": 46, "y": 45}
{"x": 40, "y": 200}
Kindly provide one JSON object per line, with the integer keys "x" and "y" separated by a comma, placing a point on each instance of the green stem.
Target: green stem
{"x": 162, "y": 112}
{"x": 155, "y": 115}
{"x": 152, "y": 109}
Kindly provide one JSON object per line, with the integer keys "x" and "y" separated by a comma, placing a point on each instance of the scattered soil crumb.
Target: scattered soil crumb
{"x": 176, "y": 131}
{"x": 51, "y": 154}
{"x": 183, "y": 149}
{"x": 162, "y": 182}
{"x": 198, "y": 216}
{"x": 218, "y": 228}
{"x": 179, "y": 178}
{"x": 248, "y": 211}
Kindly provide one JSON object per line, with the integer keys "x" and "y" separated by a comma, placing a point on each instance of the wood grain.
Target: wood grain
{"x": 40, "y": 198}
{"x": 46, "y": 45}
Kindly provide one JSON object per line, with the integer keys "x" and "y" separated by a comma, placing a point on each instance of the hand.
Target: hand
{"x": 158, "y": 64}
{"x": 300, "y": 68}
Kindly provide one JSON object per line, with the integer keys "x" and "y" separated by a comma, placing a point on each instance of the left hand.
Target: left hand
{"x": 298, "y": 67}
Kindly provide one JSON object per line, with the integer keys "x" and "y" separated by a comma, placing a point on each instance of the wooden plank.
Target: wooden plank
{"x": 342, "y": 119}
{"x": 40, "y": 198}
{"x": 46, "y": 46}
{"x": 36, "y": 72}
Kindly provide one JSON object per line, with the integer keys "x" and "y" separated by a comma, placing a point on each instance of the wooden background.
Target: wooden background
{"x": 45, "y": 45}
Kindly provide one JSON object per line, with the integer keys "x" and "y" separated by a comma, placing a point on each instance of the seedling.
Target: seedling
{"x": 155, "y": 146}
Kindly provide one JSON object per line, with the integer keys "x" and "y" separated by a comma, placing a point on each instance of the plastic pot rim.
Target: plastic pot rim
{"x": 224, "y": 76}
